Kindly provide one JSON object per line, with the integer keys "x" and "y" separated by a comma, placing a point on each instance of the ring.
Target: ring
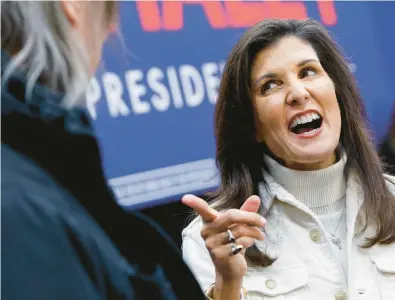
{"x": 235, "y": 248}
{"x": 231, "y": 237}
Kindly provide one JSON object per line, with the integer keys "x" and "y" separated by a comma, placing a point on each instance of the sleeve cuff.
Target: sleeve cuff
{"x": 210, "y": 293}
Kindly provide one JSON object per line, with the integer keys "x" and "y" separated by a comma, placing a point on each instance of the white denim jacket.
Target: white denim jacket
{"x": 306, "y": 268}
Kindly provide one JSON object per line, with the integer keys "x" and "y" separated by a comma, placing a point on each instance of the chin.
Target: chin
{"x": 314, "y": 154}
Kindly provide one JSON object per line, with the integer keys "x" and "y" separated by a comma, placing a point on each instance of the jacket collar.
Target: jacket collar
{"x": 42, "y": 104}
{"x": 272, "y": 190}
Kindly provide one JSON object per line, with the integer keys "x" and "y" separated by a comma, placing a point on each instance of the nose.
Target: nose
{"x": 298, "y": 93}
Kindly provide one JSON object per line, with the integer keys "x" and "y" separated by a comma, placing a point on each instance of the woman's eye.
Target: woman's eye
{"x": 268, "y": 86}
{"x": 307, "y": 72}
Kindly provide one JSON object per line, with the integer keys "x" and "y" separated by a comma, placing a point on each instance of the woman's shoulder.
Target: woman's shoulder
{"x": 194, "y": 226}
{"x": 193, "y": 229}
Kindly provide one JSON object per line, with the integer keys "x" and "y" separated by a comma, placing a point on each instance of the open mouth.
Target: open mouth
{"x": 307, "y": 123}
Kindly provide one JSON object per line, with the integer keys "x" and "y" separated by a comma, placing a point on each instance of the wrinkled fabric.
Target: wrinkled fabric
{"x": 306, "y": 267}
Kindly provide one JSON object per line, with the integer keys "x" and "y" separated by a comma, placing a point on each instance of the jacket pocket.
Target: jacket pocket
{"x": 385, "y": 274}
{"x": 278, "y": 285}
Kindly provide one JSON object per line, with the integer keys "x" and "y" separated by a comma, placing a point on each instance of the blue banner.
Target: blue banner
{"x": 152, "y": 100}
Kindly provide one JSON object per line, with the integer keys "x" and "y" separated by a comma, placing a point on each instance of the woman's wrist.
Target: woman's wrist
{"x": 227, "y": 288}
{"x": 229, "y": 281}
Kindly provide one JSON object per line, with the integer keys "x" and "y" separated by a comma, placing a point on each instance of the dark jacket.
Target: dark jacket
{"x": 63, "y": 236}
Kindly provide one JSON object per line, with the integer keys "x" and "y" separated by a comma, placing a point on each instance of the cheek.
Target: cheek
{"x": 325, "y": 94}
{"x": 336, "y": 117}
{"x": 268, "y": 114}
{"x": 333, "y": 109}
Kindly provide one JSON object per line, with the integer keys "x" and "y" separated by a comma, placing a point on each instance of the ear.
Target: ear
{"x": 72, "y": 11}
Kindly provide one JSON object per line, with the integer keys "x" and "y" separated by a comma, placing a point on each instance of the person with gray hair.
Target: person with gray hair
{"x": 63, "y": 234}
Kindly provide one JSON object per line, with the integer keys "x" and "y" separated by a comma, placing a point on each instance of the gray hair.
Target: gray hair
{"x": 45, "y": 46}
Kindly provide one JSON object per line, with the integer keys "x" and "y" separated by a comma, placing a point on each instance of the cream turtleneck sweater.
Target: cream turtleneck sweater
{"x": 324, "y": 192}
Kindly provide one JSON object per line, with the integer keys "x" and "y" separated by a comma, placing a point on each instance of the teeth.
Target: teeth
{"x": 311, "y": 131}
{"x": 305, "y": 119}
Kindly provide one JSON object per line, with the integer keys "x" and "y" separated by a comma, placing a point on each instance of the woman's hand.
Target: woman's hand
{"x": 245, "y": 225}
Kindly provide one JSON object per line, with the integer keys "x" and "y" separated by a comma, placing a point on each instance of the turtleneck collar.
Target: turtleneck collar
{"x": 320, "y": 190}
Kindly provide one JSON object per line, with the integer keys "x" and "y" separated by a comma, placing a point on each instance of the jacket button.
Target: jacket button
{"x": 315, "y": 235}
{"x": 271, "y": 284}
{"x": 341, "y": 295}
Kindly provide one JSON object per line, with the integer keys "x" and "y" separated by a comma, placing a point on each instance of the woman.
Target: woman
{"x": 63, "y": 235}
{"x": 289, "y": 128}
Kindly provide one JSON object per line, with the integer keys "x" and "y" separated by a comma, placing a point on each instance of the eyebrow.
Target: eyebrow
{"x": 272, "y": 75}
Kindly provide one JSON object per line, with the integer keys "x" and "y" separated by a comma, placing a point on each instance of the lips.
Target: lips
{"x": 306, "y": 122}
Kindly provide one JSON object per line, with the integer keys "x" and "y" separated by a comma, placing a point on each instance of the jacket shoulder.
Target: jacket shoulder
{"x": 41, "y": 212}
{"x": 69, "y": 245}
{"x": 193, "y": 229}
{"x": 20, "y": 173}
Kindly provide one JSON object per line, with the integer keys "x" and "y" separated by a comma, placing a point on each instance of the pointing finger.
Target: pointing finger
{"x": 201, "y": 207}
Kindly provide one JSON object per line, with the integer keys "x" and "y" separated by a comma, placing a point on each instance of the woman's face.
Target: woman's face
{"x": 296, "y": 110}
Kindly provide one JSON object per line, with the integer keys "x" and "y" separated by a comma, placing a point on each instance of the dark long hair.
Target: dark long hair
{"x": 239, "y": 155}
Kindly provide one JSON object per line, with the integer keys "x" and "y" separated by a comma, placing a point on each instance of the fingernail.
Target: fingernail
{"x": 263, "y": 221}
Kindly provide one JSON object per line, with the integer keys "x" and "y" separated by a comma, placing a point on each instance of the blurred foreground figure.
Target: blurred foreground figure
{"x": 63, "y": 235}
